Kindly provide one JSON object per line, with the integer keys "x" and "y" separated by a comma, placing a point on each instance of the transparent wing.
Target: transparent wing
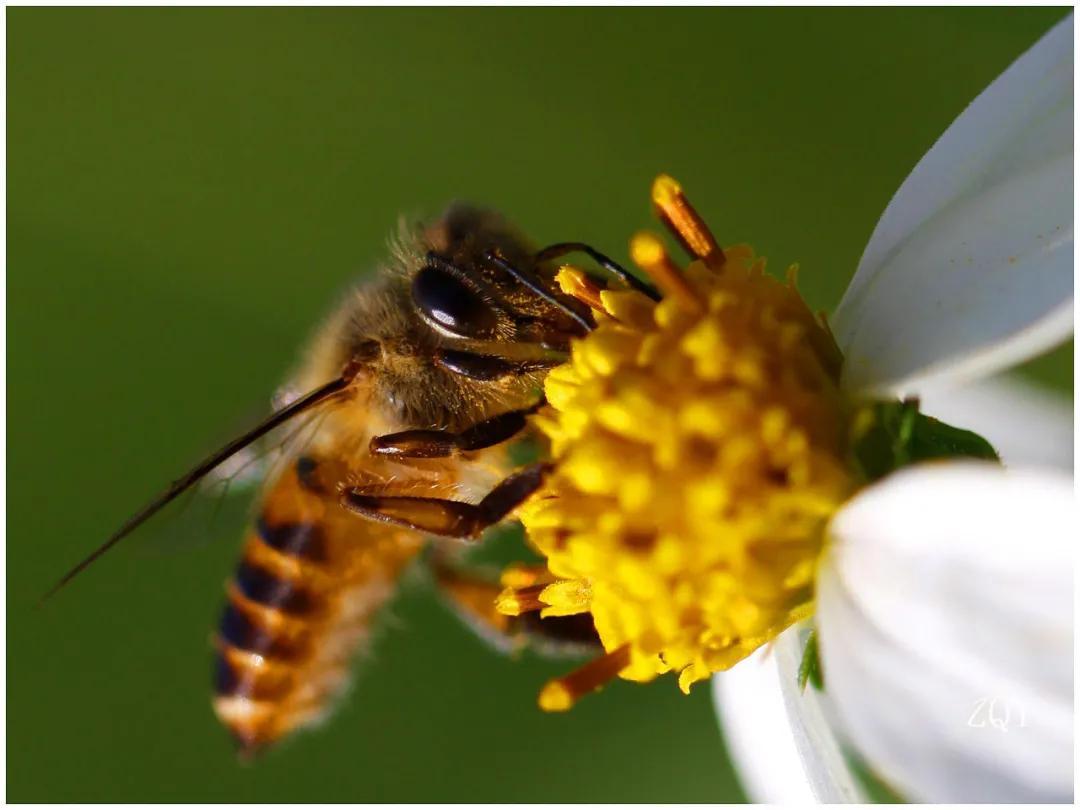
{"x": 221, "y": 503}
{"x": 293, "y": 417}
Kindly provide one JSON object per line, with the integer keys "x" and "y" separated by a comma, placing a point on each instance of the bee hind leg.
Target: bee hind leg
{"x": 471, "y": 593}
{"x": 447, "y": 518}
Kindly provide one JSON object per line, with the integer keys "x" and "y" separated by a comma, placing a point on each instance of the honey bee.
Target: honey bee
{"x": 415, "y": 385}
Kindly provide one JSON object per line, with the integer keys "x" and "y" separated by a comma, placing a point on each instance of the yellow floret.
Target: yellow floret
{"x": 699, "y": 448}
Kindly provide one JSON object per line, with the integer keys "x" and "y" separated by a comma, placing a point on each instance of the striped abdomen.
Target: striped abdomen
{"x": 301, "y": 601}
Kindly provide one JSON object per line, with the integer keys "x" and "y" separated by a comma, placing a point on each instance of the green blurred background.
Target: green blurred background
{"x": 188, "y": 191}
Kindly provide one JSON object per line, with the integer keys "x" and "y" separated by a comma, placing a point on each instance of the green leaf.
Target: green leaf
{"x": 876, "y": 789}
{"x": 810, "y": 666}
{"x": 900, "y": 435}
{"x": 932, "y": 438}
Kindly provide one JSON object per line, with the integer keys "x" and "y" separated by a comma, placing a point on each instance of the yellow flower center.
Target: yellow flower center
{"x": 699, "y": 447}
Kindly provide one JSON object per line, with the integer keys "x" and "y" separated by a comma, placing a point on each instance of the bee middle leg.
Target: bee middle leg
{"x": 447, "y": 518}
{"x": 443, "y": 443}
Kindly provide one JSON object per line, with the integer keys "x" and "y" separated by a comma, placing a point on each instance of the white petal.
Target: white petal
{"x": 777, "y": 735}
{"x": 945, "y": 614}
{"x": 969, "y": 270}
{"x": 1026, "y": 424}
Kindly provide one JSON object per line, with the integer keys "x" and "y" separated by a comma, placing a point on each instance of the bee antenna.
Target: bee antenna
{"x": 189, "y": 479}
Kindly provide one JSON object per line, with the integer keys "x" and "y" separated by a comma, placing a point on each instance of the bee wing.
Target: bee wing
{"x": 250, "y": 466}
{"x": 282, "y": 416}
{"x": 215, "y": 508}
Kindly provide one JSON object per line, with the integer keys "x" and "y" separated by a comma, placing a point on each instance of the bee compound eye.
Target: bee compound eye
{"x": 451, "y": 305}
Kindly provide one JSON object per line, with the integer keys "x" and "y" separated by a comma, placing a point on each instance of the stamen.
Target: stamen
{"x": 675, "y": 211}
{"x": 575, "y": 283}
{"x": 515, "y": 601}
{"x": 561, "y": 694}
{"x": 566, "y": 598}
{"x": 649, "y": 253}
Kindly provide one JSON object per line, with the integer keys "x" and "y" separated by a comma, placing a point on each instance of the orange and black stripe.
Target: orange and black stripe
{"x": 300, "y": 602}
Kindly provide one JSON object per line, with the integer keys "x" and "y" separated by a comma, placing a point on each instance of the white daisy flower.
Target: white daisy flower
{"x": 945, "y": 598}
{"x": 723, "y": 467}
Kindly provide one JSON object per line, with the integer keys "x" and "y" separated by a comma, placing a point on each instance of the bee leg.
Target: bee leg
{"x": 610, "y": 265}
{"x": 443, "y": 443}
{"x": 568, "y": 307}
{"x": 447, "y": 518}
{"x": 471, "y": 593}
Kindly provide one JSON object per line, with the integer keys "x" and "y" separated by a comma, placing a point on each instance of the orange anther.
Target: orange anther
{"x": 649, "y": 254}
{"x": 561, "y": 694}
{"x": 574, "y": 282}
{"x": 675, "y": 211}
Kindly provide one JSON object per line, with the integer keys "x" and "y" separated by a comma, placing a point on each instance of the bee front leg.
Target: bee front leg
{"x": 447, "y": 518}
{"x": 443, "y": 443}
